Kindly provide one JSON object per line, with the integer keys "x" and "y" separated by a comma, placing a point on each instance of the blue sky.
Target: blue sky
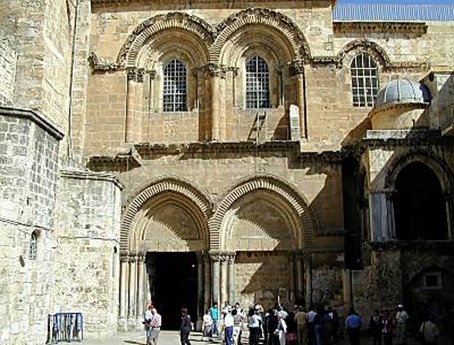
{"x": 395, "y": 1}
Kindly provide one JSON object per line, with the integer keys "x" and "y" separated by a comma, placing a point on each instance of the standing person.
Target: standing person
{"x": 207, "y": 324}
{"x": 272, "y": 327}
{"x": 301, "y": 326}
{"x": 146, "y": 322}
{"x": 376, "y": 327}
{"x": 429, "y": 332}
{"x": 254, "y": 327}
{"x": 237, "y": 325}
{"x": 401, "y": 325}
{"x": 185, "y": 327}
{"x": 353, "y": 324}
{"x": 155, "y": 326}
{"x": 214, "y": 313}
{"x": 387, "y": 328}
{"x": 310, "y": 319}
{"x": 282, "y": 328}
{"x": 334, "y": 316}
{"x": 228, "y": 326}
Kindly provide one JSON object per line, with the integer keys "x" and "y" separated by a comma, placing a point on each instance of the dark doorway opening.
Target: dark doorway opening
{"x": 419, "y": 205}
{"x": 174, "y": 286}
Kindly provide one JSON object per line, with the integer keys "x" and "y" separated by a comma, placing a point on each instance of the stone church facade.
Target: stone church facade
{"x": 187, "y": 152}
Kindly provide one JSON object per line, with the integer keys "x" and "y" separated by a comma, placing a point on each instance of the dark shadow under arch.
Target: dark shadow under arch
{"x": 419, "y": 204}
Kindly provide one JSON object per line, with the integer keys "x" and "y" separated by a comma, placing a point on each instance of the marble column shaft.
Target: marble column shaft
{"x": 124, "y": 268}
{"x": 132, "y": 286}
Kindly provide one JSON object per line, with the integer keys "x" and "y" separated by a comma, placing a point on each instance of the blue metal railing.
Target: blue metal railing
{"x": 64, "y": 327}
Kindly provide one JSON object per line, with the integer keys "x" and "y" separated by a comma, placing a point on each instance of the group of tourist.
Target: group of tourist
{"x": 278, "y": 326}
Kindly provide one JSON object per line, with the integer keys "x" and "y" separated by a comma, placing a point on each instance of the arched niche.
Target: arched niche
{"x": 419, "y": 204}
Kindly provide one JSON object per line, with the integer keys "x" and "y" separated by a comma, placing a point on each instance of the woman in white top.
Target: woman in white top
{"x": 207, "y": 325}
{"x": 282, "y": 328}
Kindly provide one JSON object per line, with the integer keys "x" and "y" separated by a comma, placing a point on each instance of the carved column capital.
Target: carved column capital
{"x": 133, "y": 257}
{"x": 135, "y": 74}
{"x": 214, "y": 70}
{"x": 296, "y": 68}
{"x": 228, "y": 257}
{"x": 124, "y": 257}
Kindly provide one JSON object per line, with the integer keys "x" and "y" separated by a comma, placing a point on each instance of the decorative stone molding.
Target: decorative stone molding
{"x": 172, "y": 20}
{"x": 133, "y": 258}
{"x": 296, "y": 68}
{"x": 297, "y": 202}
{"x": 415, "y": 28}
{"x": 135, "y": 74}
{"x": 429, "y": 158}
{"x": 261, "y": 16}
{"x": 99, "y": 67}
{"x": 367, "y": 46}
{"x": 212, "y": 70}
{"x": 201, "y": 201}
{"x": 124, "y": 257}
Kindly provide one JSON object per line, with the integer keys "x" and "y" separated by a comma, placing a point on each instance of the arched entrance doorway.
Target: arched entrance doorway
{"x": 419, "y": 205}
{"x": 173, "y": 285}
{"x": 165, "y": 227}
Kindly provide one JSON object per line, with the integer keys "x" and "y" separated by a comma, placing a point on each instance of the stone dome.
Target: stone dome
{"x": 402, "y": 90}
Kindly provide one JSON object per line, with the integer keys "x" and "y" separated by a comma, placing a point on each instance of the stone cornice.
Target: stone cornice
{"x": 98, "y": 66}
{"x": 416, "y": 28}
{"x": 150, "y": 150}
{"x": 91, "y": 175}
{"x": 394, "y": 106}
{"x": 33, "y": 116}
{"x": 439, "y": 246}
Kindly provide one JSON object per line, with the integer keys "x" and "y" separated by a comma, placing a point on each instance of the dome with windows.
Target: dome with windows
{"x": 402, "y": 90}
{"x": 401, "y": 104}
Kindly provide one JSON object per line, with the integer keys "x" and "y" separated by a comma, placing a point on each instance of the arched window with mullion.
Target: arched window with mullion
{"x": 364, "y": 74}
{"x": 175, "y": 87}
{"x": 257, "y": 83}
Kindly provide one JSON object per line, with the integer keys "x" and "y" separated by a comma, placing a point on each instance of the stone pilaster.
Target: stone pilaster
{"x": 215, "y": 257}
{"x": 132, "y": 289}
{"x": 124, "y": 274}
{"x": 215, "y": 73}
{"x": 299, "y": 276}
{"x": 134, "y": 76}
{"x": 297, "y": 71}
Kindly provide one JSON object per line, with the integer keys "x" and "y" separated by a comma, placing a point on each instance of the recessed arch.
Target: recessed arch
{"x": 294, "y": 201}
{"x": 363, "y": 46}
{"x": 264, "y": 17}
{"x": 419, "y": 204}
{"x": 431, "y": 160}
{"x": 182, "y": 22}
{"x": 180, "y": 189}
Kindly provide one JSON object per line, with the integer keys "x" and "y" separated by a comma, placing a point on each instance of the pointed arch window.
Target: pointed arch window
{"x": 33, "y": 246}
{"x": 257, "y": 83}
{"x": 364, "y": 74}
{"x": 175, "y": 87}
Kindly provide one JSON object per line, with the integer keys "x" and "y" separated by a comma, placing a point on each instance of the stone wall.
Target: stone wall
{"x": 29, "y": 155}
{"x": 87, "y": 250}
{"x": 8, "y": 60}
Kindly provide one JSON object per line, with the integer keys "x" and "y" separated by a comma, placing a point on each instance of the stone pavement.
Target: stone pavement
{"x": 173, "y": 338}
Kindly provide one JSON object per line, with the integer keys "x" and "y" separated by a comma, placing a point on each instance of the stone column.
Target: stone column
{"x": 140, "y": 285}
{"x": 381, "y": 216}
{"x": 215, "y": 72}
{"x": 215, "y": 277}
{"x": 132, "y": 288}
{"x": 124, "y": 269}
{"x": 297, "y": 71}
{"x": 130, "y": 104}
{"x": 200, "y": 285}
{"x": 206, "y": 280}
{"x": 308, "y": 275}
{"x": 291, "y": 275}
{"x": 449, "y": 217}
{"x": 231, "y": 278}
{"x": 299, "y": 276}
{"x": 224, "y": 279}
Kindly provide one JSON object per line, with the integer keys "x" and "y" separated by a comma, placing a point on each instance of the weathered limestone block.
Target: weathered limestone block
{"x": 87, "y": 254}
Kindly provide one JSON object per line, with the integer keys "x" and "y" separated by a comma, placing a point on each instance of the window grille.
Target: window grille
{"x": 364, "y": 73}
{"x": 175, "y": 84}
{"x": 257, "y": 83}
{"x": 33, "y": 247}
